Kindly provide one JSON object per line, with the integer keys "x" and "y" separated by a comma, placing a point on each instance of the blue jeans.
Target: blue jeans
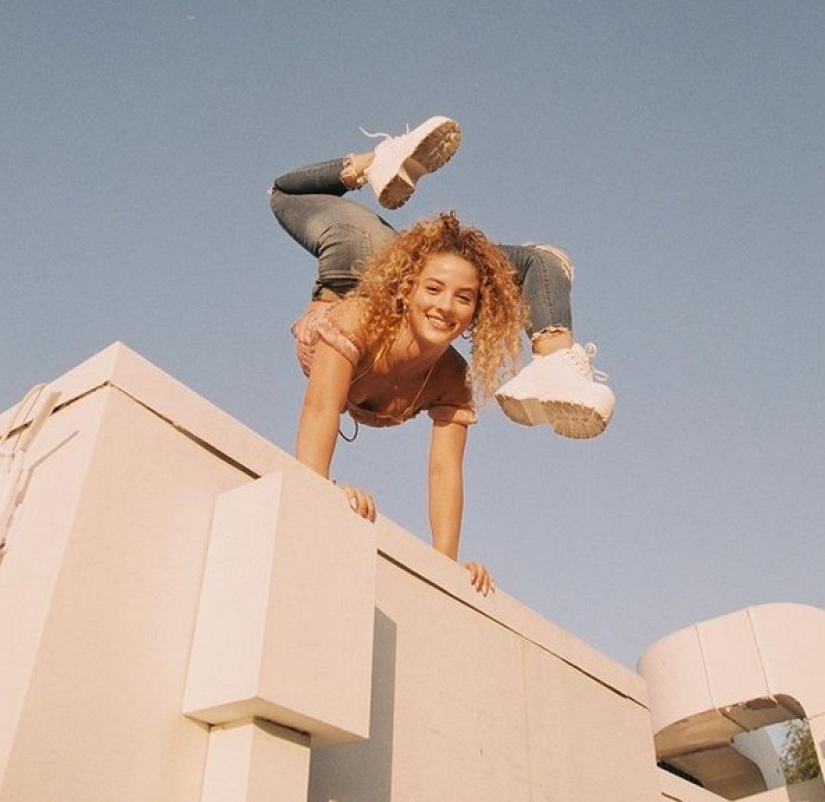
{"x": 342, "y": 235}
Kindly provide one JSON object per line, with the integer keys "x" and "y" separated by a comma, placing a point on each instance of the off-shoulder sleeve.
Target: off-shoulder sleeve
{"x": 317, "y": 323}
{"x": 466, "y": 416}
{"x": 454, "y": 403}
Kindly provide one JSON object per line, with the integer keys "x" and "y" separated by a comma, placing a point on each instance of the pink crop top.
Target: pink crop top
{"x": 452, "y": 404}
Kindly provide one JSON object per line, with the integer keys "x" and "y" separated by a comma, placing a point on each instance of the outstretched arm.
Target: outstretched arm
{"x": 446, "y": 485}
{"x": 446, "y": 488}
{"x": 325, "y": 396}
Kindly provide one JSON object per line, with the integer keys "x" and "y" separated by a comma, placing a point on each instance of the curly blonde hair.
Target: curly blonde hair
{"x": 390, "y": 276}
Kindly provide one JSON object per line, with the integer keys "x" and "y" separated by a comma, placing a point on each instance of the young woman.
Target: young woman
{"x": 376, "y": 339}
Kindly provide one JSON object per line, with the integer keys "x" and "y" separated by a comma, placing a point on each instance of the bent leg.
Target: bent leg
{"x": 559, "y": 387}
{"x": 545, "y": 274}
{"x": 341, "y": 234}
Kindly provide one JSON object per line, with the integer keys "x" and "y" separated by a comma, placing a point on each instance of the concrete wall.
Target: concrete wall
{"x": 99, "y": 588}
{"x": 189, "y": 614}
{"x": 479, "y": 698}
{"x": 120, "y": 565}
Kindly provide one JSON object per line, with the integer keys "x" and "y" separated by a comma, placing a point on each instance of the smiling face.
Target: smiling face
{"x": 443, "y": 301}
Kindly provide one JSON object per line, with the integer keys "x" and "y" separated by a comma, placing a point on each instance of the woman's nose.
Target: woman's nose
{"x": 445, "y": 303}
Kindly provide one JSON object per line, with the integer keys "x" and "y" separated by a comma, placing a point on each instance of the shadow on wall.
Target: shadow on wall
{"x": 362, "y": 771}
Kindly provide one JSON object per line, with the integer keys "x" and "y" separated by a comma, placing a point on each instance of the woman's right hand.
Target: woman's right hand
{"x": 480, "y": 578}
{"x": 360, "y": 501}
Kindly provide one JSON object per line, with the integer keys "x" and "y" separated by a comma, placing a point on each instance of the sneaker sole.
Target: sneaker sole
{"x": 438, "y": 147}
{"x": 576, "y": 421}
{"x": 397, "y": 191}
{"x": 432, "y": 153}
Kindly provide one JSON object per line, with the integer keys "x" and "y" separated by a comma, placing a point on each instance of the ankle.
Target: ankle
{"x": 551, "y": 340}
{"x": 354, "y": 171}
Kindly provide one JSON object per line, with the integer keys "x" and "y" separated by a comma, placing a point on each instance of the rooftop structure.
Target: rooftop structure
{"x": 190, "y": 615}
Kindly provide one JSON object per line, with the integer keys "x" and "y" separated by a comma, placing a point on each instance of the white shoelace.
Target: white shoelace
{"x": 582, "y": 360}
{"x": 381, "y": 133}
{"x": 373, "y": 136}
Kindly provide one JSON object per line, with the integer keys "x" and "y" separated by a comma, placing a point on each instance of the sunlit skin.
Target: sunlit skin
{"x": 443, "y": 302}
{"x": 439, "y": 308}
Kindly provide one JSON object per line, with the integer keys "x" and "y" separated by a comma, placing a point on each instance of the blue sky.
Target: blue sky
{"x": 675, "y": 149}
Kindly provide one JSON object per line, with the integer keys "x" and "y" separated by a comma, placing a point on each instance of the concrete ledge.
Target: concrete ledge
{"x": 416, "y": 557}
{"x": 715, "y": 685}
{"x": 285, "y": 624}
{"x": 763, "y": 652}
{"x": 121, "y": 367}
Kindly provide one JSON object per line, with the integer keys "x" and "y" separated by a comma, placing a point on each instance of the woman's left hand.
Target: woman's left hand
{"x": 360, "y": 501}
{"x": 480, "y": 578}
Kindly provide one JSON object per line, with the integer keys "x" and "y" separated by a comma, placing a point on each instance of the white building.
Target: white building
{"x": 189, "y": 615}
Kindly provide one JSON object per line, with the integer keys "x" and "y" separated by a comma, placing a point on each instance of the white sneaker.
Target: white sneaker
{"x": 401, "y": 160}
{"x": 560, "y": 389}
